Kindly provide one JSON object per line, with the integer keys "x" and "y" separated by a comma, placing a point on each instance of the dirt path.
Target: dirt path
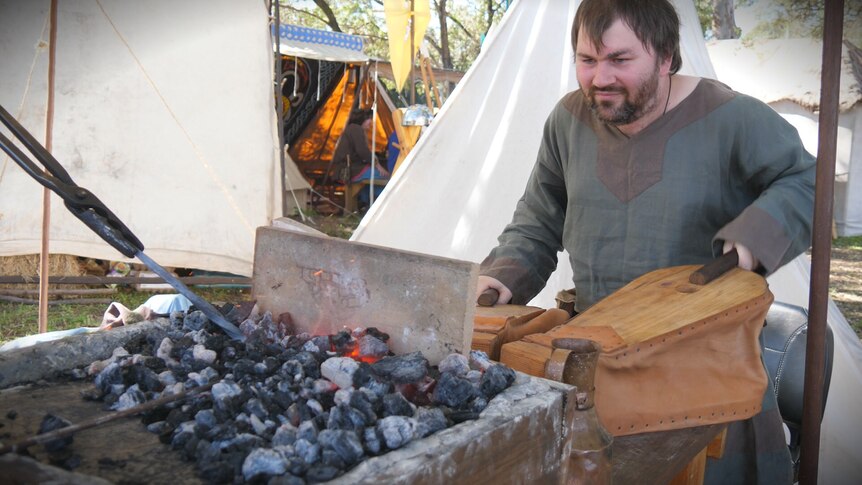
{"x": 845, "y": 284}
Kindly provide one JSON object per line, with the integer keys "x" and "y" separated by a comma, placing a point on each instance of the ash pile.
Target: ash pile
{"x": 285, "y": 407}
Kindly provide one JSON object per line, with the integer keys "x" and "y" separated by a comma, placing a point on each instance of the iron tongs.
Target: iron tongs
{"x": 87, "y": 207}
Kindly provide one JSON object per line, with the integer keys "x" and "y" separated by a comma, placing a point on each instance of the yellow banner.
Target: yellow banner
{"x": 397, "y": 23}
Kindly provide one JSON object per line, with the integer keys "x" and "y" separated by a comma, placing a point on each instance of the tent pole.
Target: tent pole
{"x": 373, "y": 139}
{"x": 279, "y": 104}
{"x": 815, "y": 351}
{"x": 44, "y": 255}
{"x": 412, "y": 69}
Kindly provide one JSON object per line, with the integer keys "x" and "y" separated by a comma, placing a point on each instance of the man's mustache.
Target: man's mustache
{"x": 608, "y": 89}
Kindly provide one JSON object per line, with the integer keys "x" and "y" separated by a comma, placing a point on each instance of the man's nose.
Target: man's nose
{"x": 603, "y": 75}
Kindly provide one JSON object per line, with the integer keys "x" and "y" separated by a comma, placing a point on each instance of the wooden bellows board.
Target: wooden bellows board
{"x": 494, "y": 326}
{"x": 674, "y": 354}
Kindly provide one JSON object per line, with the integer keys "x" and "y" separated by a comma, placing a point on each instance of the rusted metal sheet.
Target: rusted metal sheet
{"x": 423, "y": 302}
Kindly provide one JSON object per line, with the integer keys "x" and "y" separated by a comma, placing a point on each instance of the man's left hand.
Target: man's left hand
{"x": 746, "y": 259}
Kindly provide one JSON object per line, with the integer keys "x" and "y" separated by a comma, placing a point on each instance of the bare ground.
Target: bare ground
{"x": 845, "y": 284}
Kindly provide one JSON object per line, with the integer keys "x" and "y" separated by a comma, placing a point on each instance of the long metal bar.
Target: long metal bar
{"x": 818, "y": 299}
{"x": 93, "y": 212}
{"x": 44, "y": 250}
{"x": 210, "y": 311}
{"x": 101, "y": 419}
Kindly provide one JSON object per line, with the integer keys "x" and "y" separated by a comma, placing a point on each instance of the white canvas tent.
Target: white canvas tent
{"x": 785, "y": 73}
{"x": 162, "y": 109}
{"x": 458, "y": 187}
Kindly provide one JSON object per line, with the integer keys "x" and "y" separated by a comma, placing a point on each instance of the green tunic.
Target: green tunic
{"x": 719, "y": 166}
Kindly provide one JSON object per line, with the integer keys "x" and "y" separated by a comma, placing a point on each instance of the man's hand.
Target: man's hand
{"x": 746, "y": 259}
{"x": 486, "y": 282}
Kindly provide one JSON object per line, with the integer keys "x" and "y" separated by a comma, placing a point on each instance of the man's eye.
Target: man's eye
{"x": 619, "y": 60}
{"x": 588, "y": 61}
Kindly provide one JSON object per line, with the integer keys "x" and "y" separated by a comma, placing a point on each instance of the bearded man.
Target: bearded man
{"x": 644, "y": 168}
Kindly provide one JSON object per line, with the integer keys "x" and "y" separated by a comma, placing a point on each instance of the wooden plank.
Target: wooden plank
{"x": 716, "y": 446}
{"x": 126, "y": 280}
{"x": 486, "y": 342}
{"x": 525, "y": 357}
{"x": 670, "y": 302}
{"x": 492, "y": 319}
{"x": 66, "y": 301}
{"x": 58, "y": 292}
{"x": 423, "y": 302}
{"x": 693, "y": 473}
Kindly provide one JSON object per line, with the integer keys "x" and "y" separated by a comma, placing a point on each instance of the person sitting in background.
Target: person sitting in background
{"x": 352, "y": 158}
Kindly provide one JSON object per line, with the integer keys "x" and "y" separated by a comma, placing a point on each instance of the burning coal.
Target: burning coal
{"x": 301, "y": 408}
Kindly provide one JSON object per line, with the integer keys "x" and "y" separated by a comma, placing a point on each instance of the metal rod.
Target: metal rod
{"x": 44, "y": 251}
{"x": 373, "y": 139}
{"x": 210, "y": 311}
{"x": 412, "y": 21}
{"x": 106, "y": 418}
{"x": 279, "y": 106}
{"x": 812, "y": 407}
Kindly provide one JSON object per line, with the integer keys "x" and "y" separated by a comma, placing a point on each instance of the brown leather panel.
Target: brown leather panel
{"x": 709, "y": 372}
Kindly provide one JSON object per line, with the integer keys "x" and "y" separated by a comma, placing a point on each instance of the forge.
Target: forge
{"x": 519, "y": 434}
{"x": 324, "y": 301}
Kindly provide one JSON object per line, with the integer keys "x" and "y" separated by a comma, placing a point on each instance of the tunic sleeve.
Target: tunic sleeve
{"x": 527, "y": 251}
{"x": 770, "y": 157}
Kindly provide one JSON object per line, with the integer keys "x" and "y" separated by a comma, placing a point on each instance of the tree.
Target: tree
{"x": 803, "y": 18}
{"x": 723, "y": 23}
{"x": 454, "y": 36}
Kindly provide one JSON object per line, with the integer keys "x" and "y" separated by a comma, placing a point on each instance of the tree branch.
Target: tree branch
{"x": 331, "y": 21}
{"x": 304, "y": 12}
{"x": 461, "y": 26}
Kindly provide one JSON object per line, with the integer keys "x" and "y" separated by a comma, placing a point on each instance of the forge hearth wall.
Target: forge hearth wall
{"x": 45, "y": 359}
{"x": 423, "y": 302}
{"x": 521, "y": 437}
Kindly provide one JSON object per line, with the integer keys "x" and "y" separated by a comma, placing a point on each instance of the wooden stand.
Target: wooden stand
{"x": 407, "y": 137}
{"x": 353, "y": 189}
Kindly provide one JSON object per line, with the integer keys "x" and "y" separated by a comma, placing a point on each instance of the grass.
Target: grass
{"x": 340, "y": 226}
{"x": 851, "y": 242}
{"x": 19, "y": 319}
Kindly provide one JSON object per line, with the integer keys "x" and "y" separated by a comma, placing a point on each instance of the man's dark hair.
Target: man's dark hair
{"x": 359, "y": 116}
{"x": 655, "y": 22}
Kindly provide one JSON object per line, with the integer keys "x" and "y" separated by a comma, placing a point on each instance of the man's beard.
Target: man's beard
{"x": 631, "y": 108}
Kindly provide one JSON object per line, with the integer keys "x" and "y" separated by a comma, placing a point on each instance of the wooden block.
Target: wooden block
{"x": 425, "y": 303}
{"x": 604, "y": 336}
{"x": 488, "y": 343}
{"x": 693, "y": 473}
{"x": 525, "y": 357}
{"x": 505, "y": 323}
{"x": 716, "y": 446}
{"x": 493, "y": 319}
